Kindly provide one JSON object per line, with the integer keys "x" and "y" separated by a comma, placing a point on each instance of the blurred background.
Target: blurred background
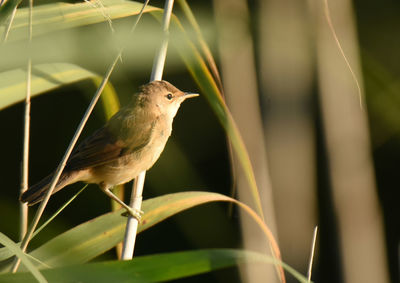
{"x": 324, "y": 151}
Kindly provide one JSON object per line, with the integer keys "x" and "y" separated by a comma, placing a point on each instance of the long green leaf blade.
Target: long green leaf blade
{"x": 59, "y": 16}
{"x": 90, "y": 239}
{"x": 45, "y": 77}
{"x": 154, "y": 268}
{"x": 14, "y": 248}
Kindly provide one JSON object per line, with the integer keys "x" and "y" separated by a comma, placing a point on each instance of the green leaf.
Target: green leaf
{"x": 154, "y": 268}
{"x": 5, "y": 253}
{"x": 90, "y": 239}
{"x": 59, "y": 16}
{"x": 15, "y": 249}
{"x": 6, "y": 9}
{"x": 45, "y": 77}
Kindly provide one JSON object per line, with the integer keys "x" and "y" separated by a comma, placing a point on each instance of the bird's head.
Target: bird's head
{"x": 163, "y": 97}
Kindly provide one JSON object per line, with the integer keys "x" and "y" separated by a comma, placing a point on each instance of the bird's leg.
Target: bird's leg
{"x": 132, "y": 211}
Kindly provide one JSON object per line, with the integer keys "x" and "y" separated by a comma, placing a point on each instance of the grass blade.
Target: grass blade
{"x": 60, "y": 16}
{"x": 14, "y": 248}
{"x": 154, "y": 268}
{"x": 88, "y": 240}
{"x": 45, "y": 77}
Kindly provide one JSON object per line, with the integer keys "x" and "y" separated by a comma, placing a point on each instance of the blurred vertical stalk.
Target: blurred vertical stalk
{"x": 286, "y": 84}
{"x": 347, "y": 139}
{"x": 240, "y": 84}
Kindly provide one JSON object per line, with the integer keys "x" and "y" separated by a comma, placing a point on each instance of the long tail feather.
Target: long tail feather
{"x": 37, "y": 192}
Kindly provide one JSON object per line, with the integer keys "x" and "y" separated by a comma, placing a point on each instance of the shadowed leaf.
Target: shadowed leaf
{"x": 154, "y": 268}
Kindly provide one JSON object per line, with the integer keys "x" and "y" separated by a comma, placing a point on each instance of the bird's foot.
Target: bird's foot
{"x": 136, "y": 213}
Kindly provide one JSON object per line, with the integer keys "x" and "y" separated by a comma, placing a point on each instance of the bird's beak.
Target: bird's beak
{"x": 190, "y": 94}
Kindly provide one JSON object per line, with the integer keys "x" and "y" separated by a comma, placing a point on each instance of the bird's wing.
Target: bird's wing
{"x": 104, "y": 146}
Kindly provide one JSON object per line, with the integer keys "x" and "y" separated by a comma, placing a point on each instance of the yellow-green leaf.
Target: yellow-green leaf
{"x": 58, "y": 16}
{"x": 45, "y": 77}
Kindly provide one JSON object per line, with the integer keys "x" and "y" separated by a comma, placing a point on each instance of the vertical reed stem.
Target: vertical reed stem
{"x": 137, "y": 189}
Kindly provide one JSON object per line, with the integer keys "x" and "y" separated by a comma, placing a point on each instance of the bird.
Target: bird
{"x": 129, "y": 143}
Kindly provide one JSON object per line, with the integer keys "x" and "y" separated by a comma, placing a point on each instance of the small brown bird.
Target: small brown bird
{"x": 129, "y": 143}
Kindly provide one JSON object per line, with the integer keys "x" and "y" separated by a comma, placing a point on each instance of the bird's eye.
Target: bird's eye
{"x": 169, "y": 96}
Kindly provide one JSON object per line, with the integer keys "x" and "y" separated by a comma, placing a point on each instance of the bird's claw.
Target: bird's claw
{"x": 136, "y": 213}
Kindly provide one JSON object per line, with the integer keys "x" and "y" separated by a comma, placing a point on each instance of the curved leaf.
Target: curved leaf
{"x": 45, "y": 77}
{"x": 153, "y": 268}
{"x": 7, "y": 8}
{"x": 59, "y": 16}
{"x": 90, "y": 239}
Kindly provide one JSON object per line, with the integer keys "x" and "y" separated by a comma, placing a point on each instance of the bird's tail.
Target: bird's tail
{"x": 37, "y": 192}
